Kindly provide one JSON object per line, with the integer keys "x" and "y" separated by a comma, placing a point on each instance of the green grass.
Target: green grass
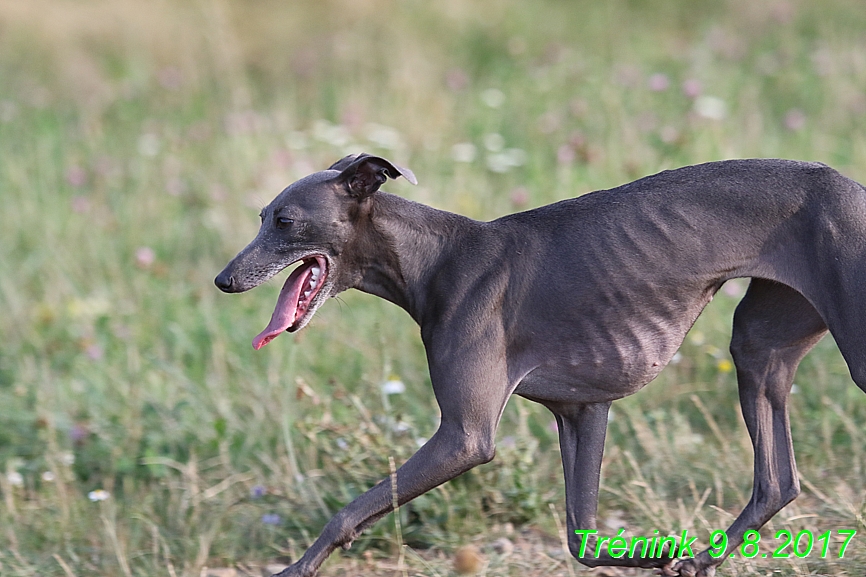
{"x": 138, "y": 142}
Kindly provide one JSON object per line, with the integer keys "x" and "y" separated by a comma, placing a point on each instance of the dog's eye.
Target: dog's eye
{"x": 283, "y": 222}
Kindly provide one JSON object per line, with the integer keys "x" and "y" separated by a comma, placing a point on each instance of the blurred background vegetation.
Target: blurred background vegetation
{"x": 140, "y": 434}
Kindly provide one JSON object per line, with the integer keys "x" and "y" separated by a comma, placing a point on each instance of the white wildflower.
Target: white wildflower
{"x": 400, "y": 427}
{"x": 506, "y": 160}
{"x": 383, "y": 136}
{"x": 148, "y": 144}
{"x": 393, "y": 387}
{"x": 493, "y": 97}
{"x": 711, "y": 107}
{"x": 98, "y": 495}
{"x": 494, "y": 142}
{"x": 463, "y": 152}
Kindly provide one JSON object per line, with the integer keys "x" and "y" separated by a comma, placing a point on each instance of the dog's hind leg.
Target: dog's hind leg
{"x": 843, "y": 309}
{"x": 774, "y": 327}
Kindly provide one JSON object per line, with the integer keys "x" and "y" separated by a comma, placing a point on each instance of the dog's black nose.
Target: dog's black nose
{"x": 224, "y": 281}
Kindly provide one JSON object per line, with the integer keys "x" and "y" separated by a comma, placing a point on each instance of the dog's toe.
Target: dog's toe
{"x": 691, "y": 568}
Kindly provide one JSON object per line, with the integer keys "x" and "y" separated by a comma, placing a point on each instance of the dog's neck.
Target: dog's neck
{"x": 401, "y": 247}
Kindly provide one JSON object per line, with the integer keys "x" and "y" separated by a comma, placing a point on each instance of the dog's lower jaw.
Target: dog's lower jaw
{"x": 302, "y": 293}
{"x": 311, "y": 309}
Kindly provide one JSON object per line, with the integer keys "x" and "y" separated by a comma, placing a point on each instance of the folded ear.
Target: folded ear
{"x": 363, "y": 174}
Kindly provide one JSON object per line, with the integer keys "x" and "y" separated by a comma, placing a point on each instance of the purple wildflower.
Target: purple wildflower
{"x": 271, "y": 519}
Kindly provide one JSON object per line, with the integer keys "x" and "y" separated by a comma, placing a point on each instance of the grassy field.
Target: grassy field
{"x": 140, "y": 434}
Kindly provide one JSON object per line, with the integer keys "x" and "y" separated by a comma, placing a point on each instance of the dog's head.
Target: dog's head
{"x": 313, "y": 222}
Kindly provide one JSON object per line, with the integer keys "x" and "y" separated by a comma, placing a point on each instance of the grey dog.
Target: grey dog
{"x": 575, "y": 305}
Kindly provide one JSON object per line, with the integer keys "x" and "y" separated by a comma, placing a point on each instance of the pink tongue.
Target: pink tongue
{"x": 287, "y": 305}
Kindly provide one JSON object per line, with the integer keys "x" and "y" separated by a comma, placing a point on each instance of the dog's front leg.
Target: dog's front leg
{"x": 582, "y": 429}
{"x": 471, "y": 395}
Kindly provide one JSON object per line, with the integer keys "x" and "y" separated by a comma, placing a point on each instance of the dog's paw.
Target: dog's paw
{"x": 667, "y": 570}
{"x": 690, "y": 568}
{"x": 296, "y": 570}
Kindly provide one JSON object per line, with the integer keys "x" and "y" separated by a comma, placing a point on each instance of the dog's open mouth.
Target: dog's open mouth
{"x": 296, "y": 296}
